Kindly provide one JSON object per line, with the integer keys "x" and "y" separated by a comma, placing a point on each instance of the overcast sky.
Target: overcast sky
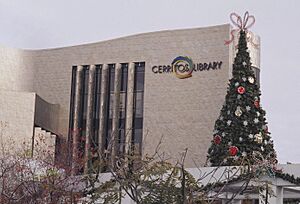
{"x": 35, "y": 24}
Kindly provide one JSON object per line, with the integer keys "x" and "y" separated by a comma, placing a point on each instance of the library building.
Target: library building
{"x": 162, "y": 88}
{"x": 159, "y": 91}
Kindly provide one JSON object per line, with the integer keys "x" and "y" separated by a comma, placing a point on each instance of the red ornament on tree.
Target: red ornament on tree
{"x": 217, "y": 139}
{"x": 233, "y": 150}
{"x": 256, "y": 103}
{"x": 241, "y": 90}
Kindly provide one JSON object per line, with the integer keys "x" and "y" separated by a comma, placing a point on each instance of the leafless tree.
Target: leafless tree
{"x": 154, "y": 179}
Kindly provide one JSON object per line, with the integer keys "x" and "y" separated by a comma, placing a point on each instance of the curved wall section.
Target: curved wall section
{"x": 46, "y": 115}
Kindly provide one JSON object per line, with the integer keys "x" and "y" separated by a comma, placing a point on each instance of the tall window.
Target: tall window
{"x": 137, "y": 134}
{"x": 138, "y": 105}
{"x": 96, "y": 113}
{"x": 71, "y": 115}
{"x": 110, "y": 99}
{"x": 84, "y": 80}
{"x": 83, "y": 109}
{"x": 80, "y": 130}
{"x": 122, "y": 108}
{"x": 84, "y": 98}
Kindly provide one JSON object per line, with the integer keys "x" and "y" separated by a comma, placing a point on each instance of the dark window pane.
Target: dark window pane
{"x": 138, "y": 123}
{"x": 122, "y": 109}
{"x": 97, "y": 98}
{"x": 98, "y": 78}
{"x": 124, "y": 77}
{"x": 72, "y": 98}
{"x": 121, "y": 142}
{"x": 140, "y": 66}
{"x": 139, "y": 76}
{"x": 110, "y": 99}
{"x": 109, "y": 132}
{"x": 85, "y": 94}
{"x": 138, "y": 104}
{"x": 137, "y": 141}
{"x": 122, "y": 106}
{"x": 111, "y": 105}
{"x": 139, "y": 81}
{"x": 138, "y": 135}
{"x": 86, "y": 79}
{"x": 121, "y": 138}
{"x": 111, "y": 77}
{"x": 122, "y": 123}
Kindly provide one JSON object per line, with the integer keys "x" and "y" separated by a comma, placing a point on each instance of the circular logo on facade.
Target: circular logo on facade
{"x": 182, "y": 67}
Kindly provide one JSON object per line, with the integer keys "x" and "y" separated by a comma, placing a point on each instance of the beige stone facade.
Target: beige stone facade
{"x": 35, "y": 87}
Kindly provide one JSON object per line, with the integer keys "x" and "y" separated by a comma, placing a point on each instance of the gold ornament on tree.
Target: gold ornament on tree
{"x": 258, "y": 138}
{"x": 238, "y": 112}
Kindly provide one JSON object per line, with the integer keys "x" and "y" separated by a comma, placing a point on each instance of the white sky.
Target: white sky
{"x": 34, "y": 24}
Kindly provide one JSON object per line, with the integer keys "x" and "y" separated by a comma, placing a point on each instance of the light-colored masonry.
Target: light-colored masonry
{"x": 35, "y": 87}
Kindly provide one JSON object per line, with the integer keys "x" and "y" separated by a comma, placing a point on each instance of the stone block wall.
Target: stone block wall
{"x": 17, "y": 119}
{"x": 44, "y": 145}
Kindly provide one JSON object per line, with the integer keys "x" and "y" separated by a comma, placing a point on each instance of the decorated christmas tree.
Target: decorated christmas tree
{"x": 241, "y": 128}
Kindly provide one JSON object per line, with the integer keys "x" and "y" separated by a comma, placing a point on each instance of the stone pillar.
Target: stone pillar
{"x": 129, "y": 108}
{"x": 103, "y": 107}
{"x": 89, "y": 117}
{"x": 279, "y": 194}
{"x": 76, "y": 119}
{"x": 116, "y": 115}
{"x": 254, "y": 50}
